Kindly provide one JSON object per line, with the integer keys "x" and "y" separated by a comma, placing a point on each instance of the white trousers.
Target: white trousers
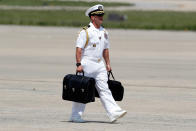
{"x": 97, "y": 70}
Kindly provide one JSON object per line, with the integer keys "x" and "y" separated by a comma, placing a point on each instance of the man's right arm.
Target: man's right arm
{"x": 81, "y": 40}
{"x": 78, "y": 59}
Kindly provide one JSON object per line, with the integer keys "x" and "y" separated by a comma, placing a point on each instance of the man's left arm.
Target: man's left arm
{"x": 107, "y": 59}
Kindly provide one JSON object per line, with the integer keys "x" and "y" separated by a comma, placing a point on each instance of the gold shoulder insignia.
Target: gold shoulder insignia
{"x": 85, "y": 28}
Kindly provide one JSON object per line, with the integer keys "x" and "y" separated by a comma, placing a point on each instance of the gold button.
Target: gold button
{"x": 99, "y": 60}
{"x": 94, "y": 45}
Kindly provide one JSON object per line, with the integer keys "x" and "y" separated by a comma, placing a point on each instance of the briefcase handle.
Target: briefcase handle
{"x": 80, "y": 72}
{"x": 110, "y": 72}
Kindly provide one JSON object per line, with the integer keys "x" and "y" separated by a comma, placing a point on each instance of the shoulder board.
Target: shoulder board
{"x": 85, "y": 28}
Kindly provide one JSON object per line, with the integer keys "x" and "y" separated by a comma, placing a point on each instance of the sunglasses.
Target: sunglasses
{"x": 100, "y": 15}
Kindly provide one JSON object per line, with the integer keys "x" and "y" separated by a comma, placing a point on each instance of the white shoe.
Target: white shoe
{"x": 117, "y": 115}
{"x": 77, "y": 120}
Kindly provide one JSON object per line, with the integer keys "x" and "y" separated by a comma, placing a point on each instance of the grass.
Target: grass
{"x": 160, "y": 20}
{"x": 58, "y": 3}
{"x": 43, "y": 18}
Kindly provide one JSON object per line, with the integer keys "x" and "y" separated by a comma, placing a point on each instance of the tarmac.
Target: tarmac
{"x": 156, "y": 68}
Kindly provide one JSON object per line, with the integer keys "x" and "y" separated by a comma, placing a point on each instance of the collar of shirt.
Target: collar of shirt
{"x": 93, "y": 27}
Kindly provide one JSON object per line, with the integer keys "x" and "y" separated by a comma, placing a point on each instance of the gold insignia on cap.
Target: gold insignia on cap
{"x": 100, "y": 7}
{"x": 94, "y": 45}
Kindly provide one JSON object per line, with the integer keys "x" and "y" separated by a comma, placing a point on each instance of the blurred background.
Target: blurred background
{"x": 126, "y": 14}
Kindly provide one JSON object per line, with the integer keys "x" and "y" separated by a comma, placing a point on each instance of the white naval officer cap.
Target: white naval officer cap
{"x": 95, "y": 10}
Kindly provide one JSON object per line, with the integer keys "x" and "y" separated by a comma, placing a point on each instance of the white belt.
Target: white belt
{"x": 92, "y": 58}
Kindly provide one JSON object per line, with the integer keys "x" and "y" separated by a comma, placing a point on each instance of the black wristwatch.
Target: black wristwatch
{"x": 78, "y": 64}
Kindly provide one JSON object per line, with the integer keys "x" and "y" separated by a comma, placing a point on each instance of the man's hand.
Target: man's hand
{"x": 108, "y": 67}
{"x": 79, "y": 69}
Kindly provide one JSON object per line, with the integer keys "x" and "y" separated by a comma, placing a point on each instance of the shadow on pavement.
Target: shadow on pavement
{"x": 106, "y": 122}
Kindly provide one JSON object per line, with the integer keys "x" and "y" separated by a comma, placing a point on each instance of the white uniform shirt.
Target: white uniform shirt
{"x": 98, "y": 41}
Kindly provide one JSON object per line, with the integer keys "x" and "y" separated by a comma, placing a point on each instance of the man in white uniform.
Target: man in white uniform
{"x": 92, "y": 47}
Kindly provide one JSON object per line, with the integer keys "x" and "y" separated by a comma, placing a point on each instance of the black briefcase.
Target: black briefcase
{"x": 115, "y": 87}
{"x": 78, "y": 88}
